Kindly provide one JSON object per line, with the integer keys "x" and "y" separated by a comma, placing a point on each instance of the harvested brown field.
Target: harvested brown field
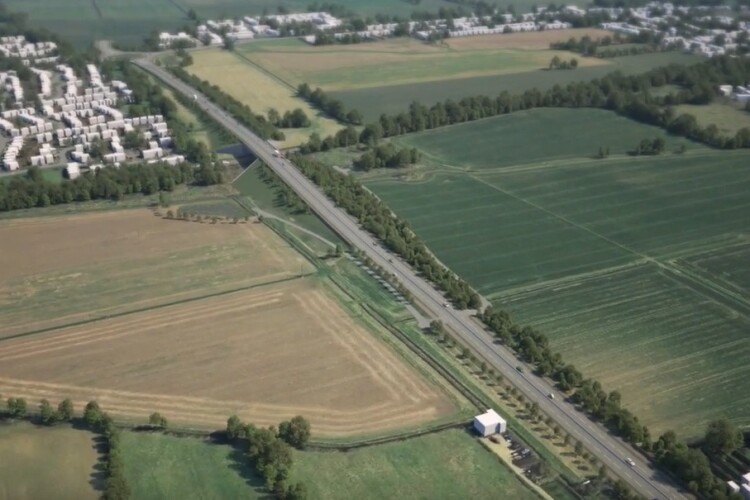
{"x": 531, "y": 40}
{"x": 251, "y": 86}
{"x": 60, "y": 270}
{"x": 264, "y": 354}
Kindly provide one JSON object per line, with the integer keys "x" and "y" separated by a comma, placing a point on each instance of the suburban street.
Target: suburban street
{"x": 610, "y": 450}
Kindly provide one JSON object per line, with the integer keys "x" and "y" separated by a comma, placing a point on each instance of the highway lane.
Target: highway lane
{"x": 610, "y": 450}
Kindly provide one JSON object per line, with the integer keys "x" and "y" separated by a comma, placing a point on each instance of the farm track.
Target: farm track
{"x": 701, "y": 285}
{"x": 709, "y": 288}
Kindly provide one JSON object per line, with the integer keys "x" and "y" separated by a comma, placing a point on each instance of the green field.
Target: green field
{"x": 265, "y": 197}
{"x": 728, "y": 264}
{"x": 393, "y": 99}
{"x": 129, "y": 21}
{"x": 159, "y": 466}
{"x": 450, "y": 464}
{"x": 728, "y": 116}
{"x": 39, "y": 462}
{"x": 468, "y": 146}
{"x": 569, "y": 233}
{"x": 638, "y": 327}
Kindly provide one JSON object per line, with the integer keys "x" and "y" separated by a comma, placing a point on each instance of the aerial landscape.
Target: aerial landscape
{"x": 405, "y": 249}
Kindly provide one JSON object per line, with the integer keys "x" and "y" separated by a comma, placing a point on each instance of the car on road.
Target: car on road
{"x": 630, "y": 462}
{"x": 519, "y": 369}
{"x": 551, "y": 395}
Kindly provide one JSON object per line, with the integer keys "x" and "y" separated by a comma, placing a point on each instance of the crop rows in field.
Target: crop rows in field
{"x": 393, "y": 99}
{"x": 665, "y": 347}
{"x": 265, "y": 354}
{"x": 655, "y": 206}
{"x": 633, "y": 266}
{"x": 537, "y": 136}
{"x": 727, "y": 264}
{"x": 495, "y": 241}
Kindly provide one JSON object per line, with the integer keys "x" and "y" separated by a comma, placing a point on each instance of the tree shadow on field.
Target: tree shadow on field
{"x": 240, "y": 464}
{"x": 98, "y": 474}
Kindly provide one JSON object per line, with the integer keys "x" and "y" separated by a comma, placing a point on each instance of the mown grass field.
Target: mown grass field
{"x": 160, "y": 466}
{"x": 566, "y": 232}
{"x": 728, "y": 116}
{"x": 449, "y": 464}
{"x": 54, "y": 462}
{"x": 347, "y": 67}
{"x": 245, "y": 82}
{"x": 393, "y": 99}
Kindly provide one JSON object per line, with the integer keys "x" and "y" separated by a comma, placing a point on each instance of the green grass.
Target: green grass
{"x": 264, "y": 197}
{"x": 728, "y": 116}
{"x": 393, "y": 99}
{"x": 159, "y": 466}
{"x": 41, "y": 462}
{"x": 559, "y": 240}
{"x": 450, "y": 464}
{"x": 536, "y": 136}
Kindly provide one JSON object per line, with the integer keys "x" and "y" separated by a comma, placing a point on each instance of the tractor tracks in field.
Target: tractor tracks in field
{"x": 104, "y": 317}
{"x": 97, "y": 9}
{"x": 702, "y": 285}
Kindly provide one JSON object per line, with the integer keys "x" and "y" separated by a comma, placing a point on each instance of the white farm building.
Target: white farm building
{"x": 490, "y": 423}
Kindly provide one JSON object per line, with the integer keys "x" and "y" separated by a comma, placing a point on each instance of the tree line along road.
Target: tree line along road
{"x": 611, "y": 451}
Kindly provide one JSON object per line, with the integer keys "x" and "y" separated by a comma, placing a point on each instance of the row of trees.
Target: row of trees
{"x": 242, "y": 112}
{"x": 628, "y": 95}
{"x": 585, "y": 45}
{"x": 291, "y": 119}
{"x": 270, "y": 452}
{"x": 689, "y": 464}
{"x": 532, "y": 346}
{"x": 387, "y": 156}
{"x": 16, "y": 408}
{"x": 396, "y": 234}
{"x": 558, "y": 63}
{"x": 115, "y": 486}
{"x": 30, "y": 189}
{"x": 330, "y": 106}
{"x": 649, "y": 147}
{"x": 285, "y": 196}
